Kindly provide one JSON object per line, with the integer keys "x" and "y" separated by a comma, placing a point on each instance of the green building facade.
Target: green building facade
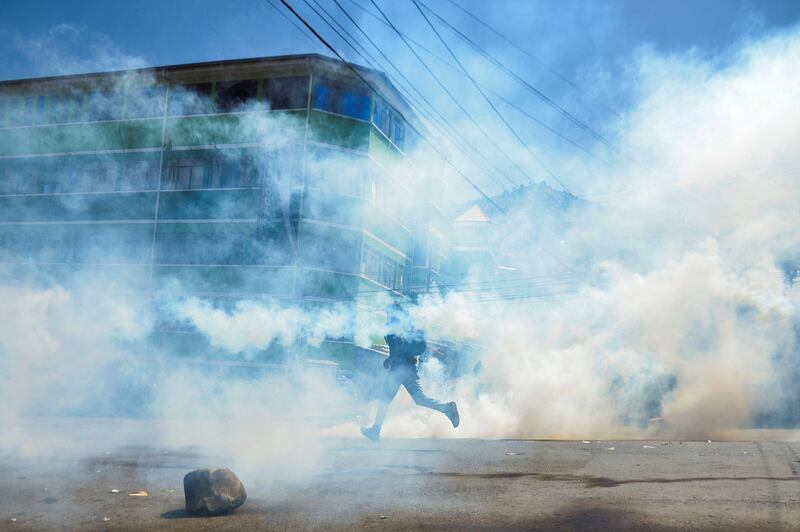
{"x": 285, "y": 178}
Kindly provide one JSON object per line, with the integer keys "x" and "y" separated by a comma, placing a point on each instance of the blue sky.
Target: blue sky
{"x": 571, "y": 34}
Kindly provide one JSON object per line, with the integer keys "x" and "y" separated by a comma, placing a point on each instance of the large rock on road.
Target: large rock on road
{"x": 213, "y": 491}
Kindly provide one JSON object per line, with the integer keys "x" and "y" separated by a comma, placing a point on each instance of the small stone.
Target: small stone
{"x": 114, "y": 491}
{"x": 106, "y": 519}
{"x": 213, "y": 491}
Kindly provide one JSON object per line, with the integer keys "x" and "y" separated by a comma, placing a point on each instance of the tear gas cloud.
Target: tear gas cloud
{"x": 675, "y": 303}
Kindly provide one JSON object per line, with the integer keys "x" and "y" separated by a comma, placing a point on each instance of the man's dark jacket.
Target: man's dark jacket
{"x": 405, "y": 349}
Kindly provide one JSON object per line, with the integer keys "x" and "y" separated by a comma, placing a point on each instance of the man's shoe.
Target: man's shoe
{"x": 371, "y": 433}
{"x": 452, "y": 414}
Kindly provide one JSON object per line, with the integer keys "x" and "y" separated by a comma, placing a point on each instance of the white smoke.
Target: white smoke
{"x": 74, "y": 49}
{"x": 63, "y": 351}
{"x": 684, "y": 313}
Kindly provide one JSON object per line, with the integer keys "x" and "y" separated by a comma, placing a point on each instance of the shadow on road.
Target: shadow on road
{"x": 180, "y": 513}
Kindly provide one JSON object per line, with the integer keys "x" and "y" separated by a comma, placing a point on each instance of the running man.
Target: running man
{"x": 406, "y": 344}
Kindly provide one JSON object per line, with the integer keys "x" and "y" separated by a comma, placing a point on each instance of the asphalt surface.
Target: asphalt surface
{"x": 421, "y": 484}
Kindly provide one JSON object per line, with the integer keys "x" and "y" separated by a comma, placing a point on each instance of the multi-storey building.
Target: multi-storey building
{"x": 282, "y": 177}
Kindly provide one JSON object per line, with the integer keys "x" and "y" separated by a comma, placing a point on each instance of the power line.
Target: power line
{"x": 473, "y": 286}
{"x": 508, "y": 71}
{"x": 449, "y": 93}
{"x": 409, "y": 96}
{"x": 368, "y": 84}
{"x": 544, "y": 125}
{"x": 541, "y": 63}
{"x": 453, "y": 130}
{"x": 292, "y": 22}
{"x": 488, "y": 101}
{"x": 420, "y": 135}
{"x": 453, "y": 136}
{"x": 486, "y": 88}
{"x": 402, "y": 36}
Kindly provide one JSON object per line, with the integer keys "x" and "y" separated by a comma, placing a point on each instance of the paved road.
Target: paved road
{"x": 425, "y": 484}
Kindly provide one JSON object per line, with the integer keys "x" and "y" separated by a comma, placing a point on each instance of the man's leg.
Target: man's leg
{"x": 411, "y": 383}
{"x": 391, "y": 383}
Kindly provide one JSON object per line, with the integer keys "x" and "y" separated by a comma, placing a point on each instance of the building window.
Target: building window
{"x": 139, "y": 175}
{"x": 341, "y": 98}
{"x": 235, "y": 95}
{"x": 50, "y": 187}
{"x": 434, "y": 254}
{"x": 399, "y": 280}
{"x": 28, "y": 108}
{"x": 103, "y": 105}
{"x": 286, "y": 93}
{"x": 99, "y": 178}
{"x": 55, "y": 109}
{"x": 190, "y": 99}
{"x": 373, "y": 191}
{"x": 64, "y": 108}
{"x": 382, "y": 270}
{"x": 356, "y": 105}
{"x": 145, "y": 102}
{"x": 40, "y": 114}
{"x": 233, "y": 172}
{"x": 390, "y": 122}
{"x": 184, "y": 174}
{"x": 370, "y": 264}
{"x": 388, "y": 272}
{"x": 13, "y": 112}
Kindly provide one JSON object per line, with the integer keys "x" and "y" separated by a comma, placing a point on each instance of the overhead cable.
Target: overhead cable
{"x": 488, "y": 101}
{"x": 449, "y": 93}
{"x": 508, "y": 71}
{"x": 453, "y": 135}
{"x": 538, "y": 61}
{"x": 371, "y": 87}
{"x": 451, "y": 66}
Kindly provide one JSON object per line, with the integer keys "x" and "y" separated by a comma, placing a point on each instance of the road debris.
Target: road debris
{"x": 584, "y": 441}
{"x": 114, "y": 491}
{"x": 512, "y": 454}
{"x": 610, "y": 448}
{"x": 383, "y": 517}
{"x": 648, "y": 447}
{"x": 106, "y": 519}
{"x": 13, "y": 519}
{"x": 140, "y": 493}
